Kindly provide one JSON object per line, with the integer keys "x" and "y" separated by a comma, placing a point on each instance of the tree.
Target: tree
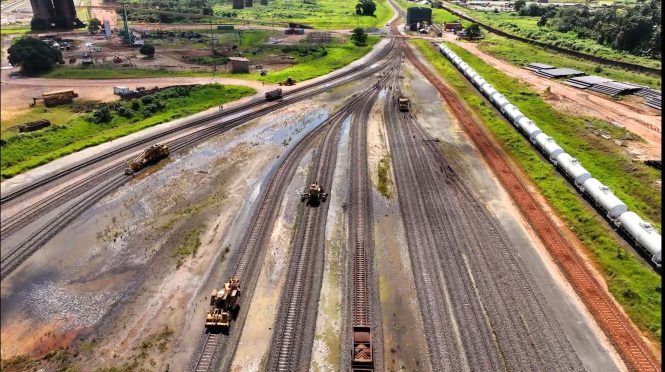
{"x": 94, "y": 25}
{"x": 147, "y": 50}
{"x": 519, "y": 4}
{"x": 359, "y": 37}
{"x": 474, "y": 31}
{"x": 365, "y": 7}
{"x": 542, "y": 21}
{"x": 32, "y": 55}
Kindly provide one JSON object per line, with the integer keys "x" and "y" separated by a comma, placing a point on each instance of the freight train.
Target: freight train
{"x": 642, "y": 232}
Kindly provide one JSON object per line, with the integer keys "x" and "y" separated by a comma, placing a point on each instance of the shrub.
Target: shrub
{"x": 103, "y": 115}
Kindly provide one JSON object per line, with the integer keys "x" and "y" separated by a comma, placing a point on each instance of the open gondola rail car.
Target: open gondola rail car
{"x": 641, "y": 232}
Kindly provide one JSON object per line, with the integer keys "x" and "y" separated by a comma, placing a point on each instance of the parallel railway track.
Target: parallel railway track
{"x": 101, "y": 181}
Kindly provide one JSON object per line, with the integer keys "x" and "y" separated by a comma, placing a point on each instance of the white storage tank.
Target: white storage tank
{"x": 573, "y": 168}
{"x": 471, "y": 73}
{"x": 605, "y": 198}
{"x": 513, "y": 112}
{"x": 529, "y": 128}
{"x": 479, "y": 81}
{"x": 488, "y": 89}
{"x": 498, "y": 99}
{"x": 549, "y": 147}
{"x": 643, "y": 233}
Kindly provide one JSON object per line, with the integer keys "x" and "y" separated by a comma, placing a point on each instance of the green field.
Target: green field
{"x": 339, "y": 55}
{"x": 519, "y": 54}
{"x": 73, "y": 131}
{"x": 324, "y": 14}
{"x": 526, "y": 27}
{"x": 636, "y": 287}
{"x": 14, "y": 30}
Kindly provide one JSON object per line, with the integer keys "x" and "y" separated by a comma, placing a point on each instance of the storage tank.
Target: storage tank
{"x": 498, "y": 99}
{"x": 479, "y": 81}
{"x": 529, "y": 128}
{"x": 488, "y": 89}
{"x": 573, "y": 168}
{"x": 603, "y": 195}
{"x": 643, "y": 233}
{"x": 549, "y": 147}
{"x": 513, "y": 112}
{"x": 471, "y": 73}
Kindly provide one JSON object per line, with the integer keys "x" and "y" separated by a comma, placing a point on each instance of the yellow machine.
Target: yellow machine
{"x": 315, "y": 194}
{"x": 152, "y": 154}
{"x": 223, "y": 305}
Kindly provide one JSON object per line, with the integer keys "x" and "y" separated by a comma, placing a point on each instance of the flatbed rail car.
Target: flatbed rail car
{"x": 362, "y": 350}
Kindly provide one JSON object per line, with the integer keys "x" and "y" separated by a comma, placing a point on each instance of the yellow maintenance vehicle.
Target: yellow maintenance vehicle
{"x": 150, "y": 155}
{"x": 315, "y": 194}
{"x": 223, "y": 305}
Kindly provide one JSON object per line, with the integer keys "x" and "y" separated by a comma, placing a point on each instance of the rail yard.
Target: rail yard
{"x": 368, "y": 219}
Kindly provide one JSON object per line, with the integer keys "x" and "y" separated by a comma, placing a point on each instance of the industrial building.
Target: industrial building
{"x": 239, "y": 65}
{"x": 56, "y": 13}
{"x": 417, "y": 17}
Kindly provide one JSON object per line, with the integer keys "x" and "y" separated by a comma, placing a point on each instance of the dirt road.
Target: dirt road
{"x": 578, "y": 102}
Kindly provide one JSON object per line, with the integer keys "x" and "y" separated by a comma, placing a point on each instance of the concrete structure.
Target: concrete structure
{"x": 59, "y": 12}
{"x": 417, "y": 17}
{"x": 238, "y": 4}
{"x": 43, "y": 10}
{"x": 249, "y": 3}
{"x": 239, "y": 65}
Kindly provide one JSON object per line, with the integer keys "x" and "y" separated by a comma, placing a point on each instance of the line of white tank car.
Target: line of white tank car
{"x": 641, "y": 231}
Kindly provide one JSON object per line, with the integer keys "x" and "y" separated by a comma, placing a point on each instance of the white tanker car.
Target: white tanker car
{"x": 642, "y": 232}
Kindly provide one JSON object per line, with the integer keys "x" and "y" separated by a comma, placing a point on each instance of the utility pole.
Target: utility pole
{"x": 128, "y": 38}
{"x": 212, "y": 47}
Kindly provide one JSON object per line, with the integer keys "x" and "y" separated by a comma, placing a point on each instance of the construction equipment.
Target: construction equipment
{"x": 150, "y": 155}
{"x": 404, "y": 104}
{"x": 315, "y": 194}
{"x": 362, "y": 349}
{"x": 288, "y": 82}
{"x": 223, "y": 305}
{"x": 273, "y": 95}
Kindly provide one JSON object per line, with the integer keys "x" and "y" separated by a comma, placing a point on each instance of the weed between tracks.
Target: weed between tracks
{"x": 384, "y": 176}
{"x": 189, "y": 246}
{"x": 636, "y": 287}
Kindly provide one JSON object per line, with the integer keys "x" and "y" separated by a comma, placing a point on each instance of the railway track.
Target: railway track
{"x": 614, "y": 323}
{"x": 257, "y": 236}
{"x": 300, "y": 92}
{"x": 293, "y": 337}
{"x": 481, "y": 308}
{"x": 100, "y": 180}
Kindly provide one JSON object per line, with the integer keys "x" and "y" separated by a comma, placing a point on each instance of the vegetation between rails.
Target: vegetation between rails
{"x": 383, "y": 170}
{"x": 528, "y": 27}
{"x": 520, "y": 54}
{"x": 189, "y": 246}
{"x": 636, "y": 287}
{"x": 78, "y": 130}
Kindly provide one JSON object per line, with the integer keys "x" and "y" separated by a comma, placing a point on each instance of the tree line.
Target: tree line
{"x": 636, "y": 30}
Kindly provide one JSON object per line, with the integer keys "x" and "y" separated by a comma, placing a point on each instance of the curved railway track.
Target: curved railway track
{"x": 334, "y": 79}
{"x": 256, "y": 238}
{"x": 35, "y": 240}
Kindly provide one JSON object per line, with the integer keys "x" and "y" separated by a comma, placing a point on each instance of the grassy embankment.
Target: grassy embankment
{"x": 383, "y": 172}
{"x": 324, "y": 14}
{"x": 338, "y": 55}
{"x": 526, "y": 27}
{"x": 72, "y": 131}
{"x": 13, "y": 30}
{"x": 519, "y": 54}
{"x": 636, "y": 287}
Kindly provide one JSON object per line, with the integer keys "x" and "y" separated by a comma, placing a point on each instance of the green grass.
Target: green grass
{"x": 105, "y": 73}
{"x": 28, "y": 150}
{"x": 383, "y": 170}
{"x": 325, "y": 14}
{"x": 519, "y": 54}
{"x": 10, "y": 30}
{"x": 526, "y": 27}
{"x": 636, "y": 287}
{"x": 339, "y": 55}
{"x": 189, "y": 246}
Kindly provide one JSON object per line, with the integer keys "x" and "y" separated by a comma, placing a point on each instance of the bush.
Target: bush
{"x": 135, "y": 105}
{"x": 147, "y": 50}
{"x": 103, "y": 115}
{"x": 147, "y": 100}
